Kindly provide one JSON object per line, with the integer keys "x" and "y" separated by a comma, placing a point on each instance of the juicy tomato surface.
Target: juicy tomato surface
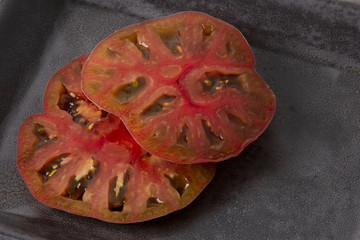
{"x": 184, "y": 86}
{"x": 82, "y": 160}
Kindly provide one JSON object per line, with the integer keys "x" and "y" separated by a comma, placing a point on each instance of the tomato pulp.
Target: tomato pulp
{"x": 184, "y": 86}
{"x": 82, "y": 160}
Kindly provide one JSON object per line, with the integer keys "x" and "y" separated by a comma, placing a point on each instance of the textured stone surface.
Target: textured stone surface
{"x": 299, "y": 180}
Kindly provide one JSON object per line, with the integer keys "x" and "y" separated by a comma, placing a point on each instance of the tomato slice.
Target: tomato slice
{"x": 82, "y": 160}
{"x": 184, "y": 86}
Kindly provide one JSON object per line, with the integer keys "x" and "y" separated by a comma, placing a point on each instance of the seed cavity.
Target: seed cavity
{"x": 257, "y": 112}
{"x": 112, "y": 53}
{"x": 178, "y": 182}
{"x": 236, "y": 120}
{"x": 207, "y": 30}
{"x": 117, "y": 191}
{"x": 158, "y": 105}
{"x": 51, "y": 168}
{"x": 68, "y": 102}
{"x": 79, "y": 183}
{"x": 143, "y": 47}
{"x": 43, "y": 137}
{"x": 214, "y": 81}
{"x": 182, "y": 140}
{"x": 214, "y": 139}
{"x": 171, "y": 38}
{"x": 99, "y": 71}
{"x": 125, "y": 93}
{"x": 83, "y": 112}
{"x": 229, "y": 49}
{"x": 153, "y": 202}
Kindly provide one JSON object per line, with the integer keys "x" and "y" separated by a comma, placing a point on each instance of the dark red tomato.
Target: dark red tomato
{"x": 82, "y": 160}
{"x": 184, "y": 86}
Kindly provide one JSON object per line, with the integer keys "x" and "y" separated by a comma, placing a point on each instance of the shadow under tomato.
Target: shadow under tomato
{"x": 232, "y": 176}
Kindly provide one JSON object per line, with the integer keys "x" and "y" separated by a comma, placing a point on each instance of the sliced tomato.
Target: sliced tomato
{"x": 80, "y": 160}
{"x": 184, "y": 85}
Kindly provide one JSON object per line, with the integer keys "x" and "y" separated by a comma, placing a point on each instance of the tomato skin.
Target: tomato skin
{"x": 184, "y": 86}
{"x": 79, "y": 159}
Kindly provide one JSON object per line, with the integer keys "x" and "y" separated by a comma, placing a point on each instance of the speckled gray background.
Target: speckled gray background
{"x": 299, "y": 180}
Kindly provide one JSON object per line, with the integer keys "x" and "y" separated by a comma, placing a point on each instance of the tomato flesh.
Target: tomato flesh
{"x": 184, "y": 86}
{"x": 80, "y": 159}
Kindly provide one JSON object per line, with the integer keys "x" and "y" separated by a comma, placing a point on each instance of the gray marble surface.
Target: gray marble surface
{"x": 299, "y": 180}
